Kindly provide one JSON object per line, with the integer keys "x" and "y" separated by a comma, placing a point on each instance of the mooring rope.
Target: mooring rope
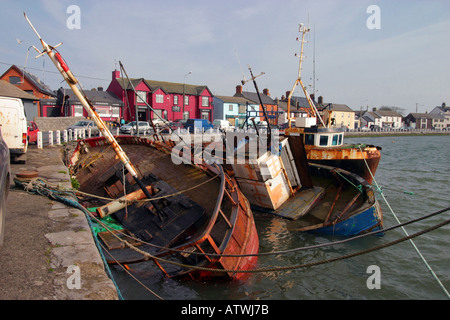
{"x": 284, "y": 268}
{"x": 279, "y": 252}
{"x": 49, "y": 193}
{"x": 404, "y": 230}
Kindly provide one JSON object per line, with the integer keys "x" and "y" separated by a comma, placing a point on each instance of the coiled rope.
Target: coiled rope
{"x": 38, "y": 186}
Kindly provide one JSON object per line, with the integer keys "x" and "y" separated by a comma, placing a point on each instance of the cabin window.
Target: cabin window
{"x": 340, "y": 138}
{"x": 335, "y": 141}
{"x": 309, "y": 139}
{"x": 323, "y": 141}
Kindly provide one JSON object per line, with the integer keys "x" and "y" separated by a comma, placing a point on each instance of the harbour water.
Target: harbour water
{"x": 413, "y": 174}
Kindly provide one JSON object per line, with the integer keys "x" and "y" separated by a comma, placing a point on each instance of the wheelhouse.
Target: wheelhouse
{"x": 323, "y": 137}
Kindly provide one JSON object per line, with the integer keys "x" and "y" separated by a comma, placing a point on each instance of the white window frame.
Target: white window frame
{"x": 141, "y": 95}
{"x": 205, "y": 101}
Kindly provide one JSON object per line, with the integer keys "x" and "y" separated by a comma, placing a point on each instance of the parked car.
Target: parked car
{"x": 197, "y": 123}
{"x": 14, "y": 127}
{"x": 85, "y": 124}
{"x": 32, "y": 132}
{"x": 144, "y": 126}
{"x": 5, "y": 174}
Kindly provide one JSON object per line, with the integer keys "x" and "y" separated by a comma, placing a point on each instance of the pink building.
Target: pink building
{"x": 165, "y": 98}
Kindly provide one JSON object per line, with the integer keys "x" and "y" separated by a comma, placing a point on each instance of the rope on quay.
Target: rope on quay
{"x": 405, "y": 232}
{"x": 39, "y": 186}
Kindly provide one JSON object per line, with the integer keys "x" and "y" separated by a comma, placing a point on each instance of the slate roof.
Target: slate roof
{"x": 167, "y": 87}
{"x": 227, "y": 99}
{"x": 96, "y": 97}
{"x": 9, "y": 90}
{"x": 253, "y": 97}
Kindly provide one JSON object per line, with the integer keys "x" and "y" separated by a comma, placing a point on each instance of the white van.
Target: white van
{"x": 14, "y": 127}
{"x": 221, "y": 124}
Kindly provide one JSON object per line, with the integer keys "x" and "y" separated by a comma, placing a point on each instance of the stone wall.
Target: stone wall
{"x": 56, "y": 123}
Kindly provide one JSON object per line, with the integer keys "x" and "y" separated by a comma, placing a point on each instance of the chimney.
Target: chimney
{"x": 100, "y": 89}
{"x": 313, "y": 97}
{"x": 287, "y": 94}
{"x": 320, "y": 100}
{"x": 115, "y": 74}
{"x": 238, "y": 89}
{"x": 266, "y": 92}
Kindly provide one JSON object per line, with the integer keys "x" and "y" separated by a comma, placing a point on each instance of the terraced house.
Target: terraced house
{"x": 169, "y": 100}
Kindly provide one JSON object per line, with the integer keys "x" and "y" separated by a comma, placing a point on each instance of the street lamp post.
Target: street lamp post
{"x": 184, "y": 85}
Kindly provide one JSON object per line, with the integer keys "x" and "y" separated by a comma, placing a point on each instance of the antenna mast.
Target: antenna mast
{"x": 303, "y": 30}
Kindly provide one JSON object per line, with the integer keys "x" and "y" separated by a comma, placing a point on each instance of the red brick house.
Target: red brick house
{"x": 30, "y": 84}
{"x": 165, "y": 98}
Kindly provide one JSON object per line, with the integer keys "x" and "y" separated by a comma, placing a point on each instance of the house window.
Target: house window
{"x": 205, "y": 101}
{"x": 230, "y": 107}
{"x": 205, "y": 114}
{"x": 159, "y": 98}
{"x": 185, "y": 115}
{"x": 186, "y": 100}
{"x": 175, "y": 100}
{"x": 141, "y": 97}
{"x": 15, "y": 80}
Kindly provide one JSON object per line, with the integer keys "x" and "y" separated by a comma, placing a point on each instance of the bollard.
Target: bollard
{"x": 50, "y": 138}
{"x": 58, "y": 137}
{"x": 65, "y": 137}
{"x": 39, "y": 140}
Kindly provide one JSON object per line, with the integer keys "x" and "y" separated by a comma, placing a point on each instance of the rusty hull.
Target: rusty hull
{"x": 229, "y": 227}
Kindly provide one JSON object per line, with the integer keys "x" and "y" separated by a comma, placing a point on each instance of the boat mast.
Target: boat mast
{"x": 303, "y": 30}
{"x": 72, "y": 82}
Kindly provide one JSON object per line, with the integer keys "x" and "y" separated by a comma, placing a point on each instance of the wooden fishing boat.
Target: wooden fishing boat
{"x": 199, "y": 215}
{"x": 323, "y": 143}
{"x": 320, "y": 198}
{"x": 326, "y": 146}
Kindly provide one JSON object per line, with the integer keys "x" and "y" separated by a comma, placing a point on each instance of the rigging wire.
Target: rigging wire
{"x": 405, "y": 232}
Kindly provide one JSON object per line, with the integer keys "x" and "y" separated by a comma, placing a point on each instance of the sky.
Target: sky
{"x": 396, "y": 55}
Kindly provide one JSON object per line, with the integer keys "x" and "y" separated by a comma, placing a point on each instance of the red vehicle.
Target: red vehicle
{"x": 32, "y": 132}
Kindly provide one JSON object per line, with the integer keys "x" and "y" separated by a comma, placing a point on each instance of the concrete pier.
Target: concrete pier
{"x": 49, "y": 252}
